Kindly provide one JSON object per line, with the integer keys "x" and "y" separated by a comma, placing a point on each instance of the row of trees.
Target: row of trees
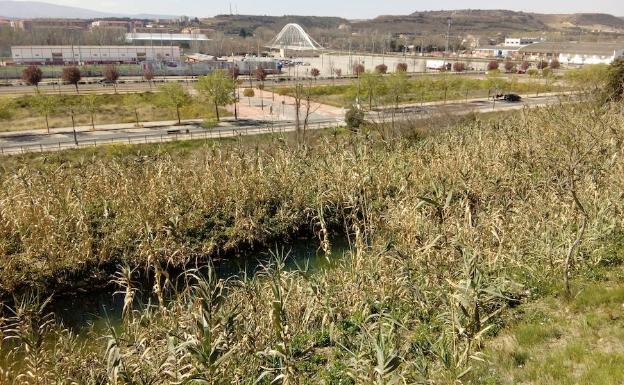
{"x": 216, "y": 89}
{"x": 33, "y": 75}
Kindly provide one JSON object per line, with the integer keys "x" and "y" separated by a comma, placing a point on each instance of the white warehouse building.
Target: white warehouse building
{"x": 574, "y": 53}
{"x": 85, "y": 54}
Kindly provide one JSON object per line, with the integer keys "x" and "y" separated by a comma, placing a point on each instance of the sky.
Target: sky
{"x": 352, "y": 9}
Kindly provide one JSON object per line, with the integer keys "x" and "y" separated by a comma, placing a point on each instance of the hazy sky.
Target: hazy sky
{"x": 346, "y": 8}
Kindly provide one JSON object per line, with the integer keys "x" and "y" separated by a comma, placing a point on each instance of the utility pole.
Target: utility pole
{"x": 449, "y": 20}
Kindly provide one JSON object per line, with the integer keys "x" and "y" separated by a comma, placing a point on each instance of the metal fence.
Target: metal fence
{"x": 175, "y": 134}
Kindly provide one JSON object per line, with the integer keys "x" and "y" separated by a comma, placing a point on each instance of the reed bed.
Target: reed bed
{"x": 448, "y": 232}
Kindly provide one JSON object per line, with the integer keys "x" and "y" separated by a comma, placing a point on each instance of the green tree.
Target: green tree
{"x": 397, "y": 86}
{"x": 218, "y": 89}
{"x": 249, "y": 93}
{"x": 90, "y": 104}
{"x": 134, "y": 102}
{"x": 593, "y": 74}
{"x": 174, "y": 96}
{"x": 371, "y": 84}
{"x": 45, "y": 105}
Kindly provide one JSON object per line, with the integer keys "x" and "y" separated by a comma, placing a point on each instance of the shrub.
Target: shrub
{"x": 32, "y": 75}
{"x": 401, "y": 67}
{"x": 354, "y": 118}
{"x": 459, "y": 67}
{"x": 615, "y": 83}
{"x": 381, "y": 69}
{"x": 492, "y": 65}
{"x": 358, "y": 69}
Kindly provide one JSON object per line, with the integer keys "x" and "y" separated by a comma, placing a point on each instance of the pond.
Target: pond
{"x": 99, "y": 309}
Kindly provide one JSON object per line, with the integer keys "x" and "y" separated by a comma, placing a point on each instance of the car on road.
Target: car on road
{"x": 105, "y": 82}
{"x": 511, "y": 98}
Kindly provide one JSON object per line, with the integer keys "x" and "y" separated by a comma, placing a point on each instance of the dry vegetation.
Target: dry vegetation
{"x": 448, "y": 232}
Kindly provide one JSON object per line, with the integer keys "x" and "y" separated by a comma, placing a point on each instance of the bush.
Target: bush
{"x": 358, "y": 69}
{"x": 354, "y": 118}
{"x": 492, "y": 65}
{"x": 615, "y": 80}
{"x": 401, "y": 67}
{"x": 459, "y": 67}
{"x": 209, "y": 123}
{"x": 381, "y": 69}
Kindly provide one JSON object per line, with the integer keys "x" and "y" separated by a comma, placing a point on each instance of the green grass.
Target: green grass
{"x": 111, "y": 108}
{"x": 563, "y": 341}
{"x": 425, "y": 89}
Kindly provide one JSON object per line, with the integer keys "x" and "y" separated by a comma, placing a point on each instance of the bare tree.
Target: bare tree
{"x": 459, "y": 67}
{"x": 72, "y": 75}
{"x": 510, "y": 66}
{"x": 381, "y": 69}
{"x": 401, "y": 67}
{"x": 315, "y": 73}
{"x": 358, "y": 69}
{"x": 32, "y": 75}
{"x": 492, "y": 65}
{"x": 148, "y": 74}
{"x": 111, "y": 74}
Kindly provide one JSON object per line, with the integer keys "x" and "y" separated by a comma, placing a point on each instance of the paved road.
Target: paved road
{"x": 36, "y": 140}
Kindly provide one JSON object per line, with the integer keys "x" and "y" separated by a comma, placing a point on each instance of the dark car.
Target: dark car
{"x": 512, "y": 98}
{"x": 508, "y": 97}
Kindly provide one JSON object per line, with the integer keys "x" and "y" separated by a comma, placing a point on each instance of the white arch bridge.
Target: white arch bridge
{"x": 293, "y": 37}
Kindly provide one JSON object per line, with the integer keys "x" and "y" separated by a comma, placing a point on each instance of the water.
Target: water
{"x": 82, "y": 311}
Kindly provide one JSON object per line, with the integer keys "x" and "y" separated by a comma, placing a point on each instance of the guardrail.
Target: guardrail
{"x": 183, "y": 134}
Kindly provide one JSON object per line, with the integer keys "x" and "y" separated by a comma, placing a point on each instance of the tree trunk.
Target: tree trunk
{"x": 74, "y": 128}
{"x": 217, "y": 111}
{"x": 136, "y": 115}
{"x": 178, "y": 112}
{"x": 92, "y": 122}
{"x": 47, "y": 123}
{"x": 77, "y": 92}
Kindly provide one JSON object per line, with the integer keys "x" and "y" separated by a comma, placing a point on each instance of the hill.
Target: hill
{"x": 464, "y": 21}
{"x": 37, "y": 9}
{"x": 490, "y": 21}
{"x": 232, "y": 24}
{"x": 587, "y": 21}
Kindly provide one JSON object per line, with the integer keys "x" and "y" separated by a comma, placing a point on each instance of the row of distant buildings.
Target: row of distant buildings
{"x": 136, "y": 31}
{"x": 571, "y": 53}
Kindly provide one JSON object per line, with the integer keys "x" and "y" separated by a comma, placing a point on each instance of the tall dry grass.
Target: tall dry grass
{"x": 446, "y": 232}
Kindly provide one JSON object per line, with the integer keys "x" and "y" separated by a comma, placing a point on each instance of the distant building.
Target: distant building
{"x": 30, "y": 25}
{"x": 161, "y": 38}
{"x": 573, "y": 52}
{"x": 121, "y": 24}
{"x": 68, "y": 54}
{"x": 521, "y": 41}
{"x": 497, "y": 51}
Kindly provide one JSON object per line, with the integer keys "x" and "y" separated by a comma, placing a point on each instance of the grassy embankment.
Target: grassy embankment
{"x": 110, "y": 109}
{"x": 459, "y": 238}
{"x": 425, "y": 89}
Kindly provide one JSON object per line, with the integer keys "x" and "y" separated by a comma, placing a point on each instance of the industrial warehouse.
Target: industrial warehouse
{"x": 68, "y": 54}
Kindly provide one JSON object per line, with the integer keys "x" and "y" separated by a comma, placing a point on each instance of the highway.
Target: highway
{"x": 36, "y": 141}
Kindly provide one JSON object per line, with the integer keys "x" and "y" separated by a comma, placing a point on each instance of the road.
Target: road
{"x": 323, "y": 117}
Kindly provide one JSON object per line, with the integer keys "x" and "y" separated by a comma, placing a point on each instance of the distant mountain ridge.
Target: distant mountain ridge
{"x": 39, "y": 10}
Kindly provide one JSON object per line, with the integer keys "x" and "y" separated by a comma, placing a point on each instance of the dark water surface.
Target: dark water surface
{"x": 82, "y": 311}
